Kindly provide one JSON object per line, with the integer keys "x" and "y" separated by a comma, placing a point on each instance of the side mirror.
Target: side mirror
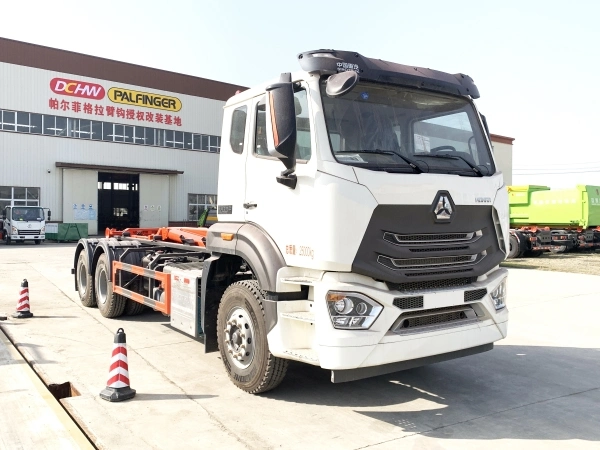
{"x": 341, "y": 83}
{"x": 49, "y": 214}
{"x": 281, "y": 127}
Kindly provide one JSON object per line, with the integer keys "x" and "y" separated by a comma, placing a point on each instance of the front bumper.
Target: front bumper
{"x": 380, "y": 348}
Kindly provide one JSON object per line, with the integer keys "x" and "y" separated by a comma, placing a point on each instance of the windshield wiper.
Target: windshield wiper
{"x": 408, "y": 161}
{"x": 446, "y": 156}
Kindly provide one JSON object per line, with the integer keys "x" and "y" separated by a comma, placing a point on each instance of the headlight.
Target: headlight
{"x": 43, "y": 230}
{"x": 351, "y": 310}
{"x": 499, "y": 296}
{"x": 14, "y": 230}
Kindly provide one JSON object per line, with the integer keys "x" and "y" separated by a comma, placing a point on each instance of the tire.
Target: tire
{"x": 513, "y": 251}
{"x": 85, "y": 282}
{"x": 38, "y": 241}
{"x": 109, "y": 304}
{"x": 133, "y": 308}
{"x": 240, "y": 322}
{"x": 6, "y": 238}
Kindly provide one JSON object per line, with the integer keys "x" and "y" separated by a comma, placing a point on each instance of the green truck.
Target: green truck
{"x": 544, "y": 219}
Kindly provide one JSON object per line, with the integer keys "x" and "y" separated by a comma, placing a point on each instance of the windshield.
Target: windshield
{"x": 392, "y": 128}
{"x": 27, "y": 214}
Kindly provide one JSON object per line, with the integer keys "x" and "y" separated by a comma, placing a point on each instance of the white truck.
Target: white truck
{"x": 23, "y": 223}
{"x": 376, "y": 249}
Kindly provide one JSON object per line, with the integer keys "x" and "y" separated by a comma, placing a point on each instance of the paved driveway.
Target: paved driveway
{"x": 539, "y": 388}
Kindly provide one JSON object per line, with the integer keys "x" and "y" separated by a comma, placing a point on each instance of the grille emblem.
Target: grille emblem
{"x": 443, "y": 207}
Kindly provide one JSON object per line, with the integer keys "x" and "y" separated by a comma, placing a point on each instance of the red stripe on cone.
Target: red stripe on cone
{"x": 118, "y": 377}
{"x": 118, "y": 350}
{"x": 118, "y": 363}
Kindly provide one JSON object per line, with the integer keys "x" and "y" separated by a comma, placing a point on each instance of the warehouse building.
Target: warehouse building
{"x": 104, "y": 142}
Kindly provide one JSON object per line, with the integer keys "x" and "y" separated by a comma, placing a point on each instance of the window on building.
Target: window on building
{"x": 238, "y": 129}
{"x": 35, "y": 126}
{"x": 23, "y": 122}
{"x": 198, "y": 203}
{"x": 19, "y": 196}
{"x": 8, "y": 120}
{"x": 49, "y": 125}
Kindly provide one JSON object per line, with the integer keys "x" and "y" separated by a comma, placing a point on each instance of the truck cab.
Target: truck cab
{"x": 388, "y": 213}
{"x": 23, "y": 223}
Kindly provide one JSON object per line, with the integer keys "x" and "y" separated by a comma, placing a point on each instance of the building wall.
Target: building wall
{"x": 503, "y": 149}
{"x": 29, "y": 160}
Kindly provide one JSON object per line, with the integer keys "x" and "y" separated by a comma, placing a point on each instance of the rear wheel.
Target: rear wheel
{"x": 85, "y": 282}
{"x": 513, "y": 251}
{"x": 109, "y": 304}
{"x": 242, "y": 337}
{"x": 133, "y": 308}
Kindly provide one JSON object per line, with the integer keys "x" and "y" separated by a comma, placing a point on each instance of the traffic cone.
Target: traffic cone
{"x": 23, "y": 311}
{"x": 117, "y": 388}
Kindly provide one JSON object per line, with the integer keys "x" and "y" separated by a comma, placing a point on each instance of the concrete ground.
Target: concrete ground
{"x": 539, "y": 388}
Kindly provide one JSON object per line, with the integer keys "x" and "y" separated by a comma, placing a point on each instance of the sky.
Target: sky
{"x": 536, "y": 63}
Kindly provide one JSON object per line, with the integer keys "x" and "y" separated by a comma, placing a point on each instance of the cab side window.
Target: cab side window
{"x": 238, "y": 129}
{"x": 260, "y": 141}
{"x": 303, "y": 140}
{"x": 303, "y": 147}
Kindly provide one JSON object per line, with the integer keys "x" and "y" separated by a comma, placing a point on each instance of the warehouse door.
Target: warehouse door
{"x": 118, "y": 200}
{"x": 154, "y": 200}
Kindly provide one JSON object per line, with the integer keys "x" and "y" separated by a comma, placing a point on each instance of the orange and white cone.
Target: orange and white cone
{"x": 23, "y": 311}
{"x": 117, "y": 387}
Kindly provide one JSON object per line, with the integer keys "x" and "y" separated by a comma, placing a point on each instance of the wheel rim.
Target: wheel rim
{"x": 239, "y": 338}
{"x": 82, "y": 279}
{"x": 102, "y": 286}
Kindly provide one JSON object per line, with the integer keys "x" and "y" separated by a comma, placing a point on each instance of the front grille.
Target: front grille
{"x": 445, "y": 272}
{"x": 431, "y": 284}
{"x": 437, "y": 249}
{"x": 409, "y": 302}
{"x": 424, "y": 263}
{"x": 435, "y": 319}
{"x": 427, "y": 319}
{"x": 396, "y": 238}
{"x": 28, "y": 232}
{"x": 477, "y": 294}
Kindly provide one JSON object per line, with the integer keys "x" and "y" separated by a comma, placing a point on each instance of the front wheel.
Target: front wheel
{"x": 6, "y": 237}
{"x": 109, "y": 304}
{"x": 38, "y": 241}
{"x": 242, "y": 337}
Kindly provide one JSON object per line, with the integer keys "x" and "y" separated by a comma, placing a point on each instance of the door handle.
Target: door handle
{"x": 250, "y": 205}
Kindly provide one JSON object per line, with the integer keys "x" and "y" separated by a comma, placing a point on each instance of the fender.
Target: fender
{"x": 251, "y": 244}
{"x": 113, "y": 248}
{"x": 87, "y": 246}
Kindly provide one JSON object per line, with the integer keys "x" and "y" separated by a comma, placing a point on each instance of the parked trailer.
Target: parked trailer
{"x": 401, "y": 268}
{"x": 558, "y": 220}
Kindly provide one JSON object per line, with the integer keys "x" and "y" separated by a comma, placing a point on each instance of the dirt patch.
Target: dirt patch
{"x": 576, "y": 262}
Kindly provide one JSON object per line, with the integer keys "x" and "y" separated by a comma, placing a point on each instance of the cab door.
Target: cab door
{"x": 282, "y": 212}
{"x": 232, "y": 164}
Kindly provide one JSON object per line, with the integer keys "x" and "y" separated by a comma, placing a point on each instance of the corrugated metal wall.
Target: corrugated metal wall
{"x": 26, "y": 160}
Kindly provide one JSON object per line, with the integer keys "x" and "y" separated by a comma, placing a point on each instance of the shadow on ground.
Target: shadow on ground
{"x": 516, "y": 392}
